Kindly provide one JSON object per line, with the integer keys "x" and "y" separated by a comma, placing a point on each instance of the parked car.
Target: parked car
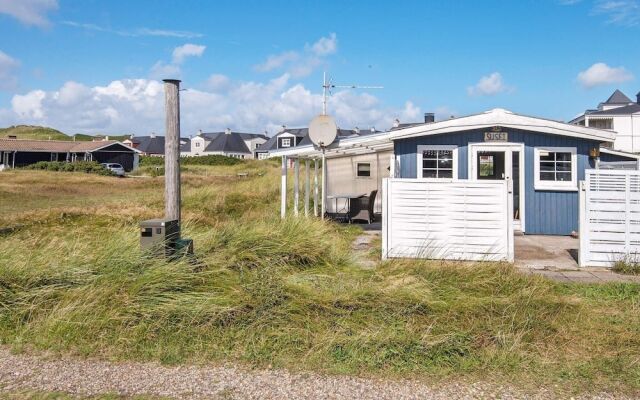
{"x": 115, "y": 168}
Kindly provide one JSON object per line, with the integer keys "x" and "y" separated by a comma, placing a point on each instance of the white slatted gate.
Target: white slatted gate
{"x": 609, "y": 217}
{"x": 447, "y": 219}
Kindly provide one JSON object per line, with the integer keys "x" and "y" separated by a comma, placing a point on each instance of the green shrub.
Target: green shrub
{"x": 200, "y": 160}
{"x": 89, "y": 167}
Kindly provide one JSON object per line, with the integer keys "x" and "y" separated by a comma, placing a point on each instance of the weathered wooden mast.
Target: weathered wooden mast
{"x": 172, "y": 150}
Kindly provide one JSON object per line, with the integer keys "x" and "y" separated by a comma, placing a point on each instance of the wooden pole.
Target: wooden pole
{"x": 296, "y": 186}
{"x": 315, "y": 187}
{"x": 172, "y": 150}
{"x": 307, "y": 183}
{"x": 283, "y": 188}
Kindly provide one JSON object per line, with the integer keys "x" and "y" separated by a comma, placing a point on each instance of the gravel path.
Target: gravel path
{"x": 93, "y": 377}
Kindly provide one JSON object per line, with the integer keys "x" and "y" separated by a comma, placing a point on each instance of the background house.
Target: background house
{"x": 227, "y": 143}
{"x": 20, "y": 153}
{"x": 620, "y": 114}
{"x": 153, "y": 145}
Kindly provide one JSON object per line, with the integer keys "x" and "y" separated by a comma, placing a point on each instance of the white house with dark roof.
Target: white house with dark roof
{"x": 227, "y": 143}
{"x": 619, "y": 114}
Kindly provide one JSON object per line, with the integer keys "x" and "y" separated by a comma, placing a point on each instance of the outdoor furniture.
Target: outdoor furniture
{"x": 344, "y": 211}
{"x": 362, "y": 209}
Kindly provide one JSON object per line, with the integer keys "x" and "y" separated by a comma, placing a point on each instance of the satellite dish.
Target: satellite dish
{"x": 322, "y": 130}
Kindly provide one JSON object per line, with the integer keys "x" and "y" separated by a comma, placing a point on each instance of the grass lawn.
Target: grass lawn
{"x": 265, "y": 292}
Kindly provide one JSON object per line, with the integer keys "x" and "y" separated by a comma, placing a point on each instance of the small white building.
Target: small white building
{"x": 619, "y": 114}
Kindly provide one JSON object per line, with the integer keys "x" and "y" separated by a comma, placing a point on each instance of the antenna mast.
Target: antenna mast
{"x": 327, "y": 86}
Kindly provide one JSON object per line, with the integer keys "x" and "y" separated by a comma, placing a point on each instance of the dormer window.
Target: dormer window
{"x": 286, "y": 142}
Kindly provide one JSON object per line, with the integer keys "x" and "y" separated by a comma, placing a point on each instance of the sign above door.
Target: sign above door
{"x": 496, "y": 137}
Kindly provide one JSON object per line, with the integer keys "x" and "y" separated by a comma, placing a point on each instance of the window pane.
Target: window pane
{"x": 445, "y": 163}
{"x": 429, "y": 163}
{"x": 446, "y": 173}
{"x": 563, "y": 176}
{"x": 429, "y": 173}
{"x": 445, "y": 153}
{"x": 547, "y": 176}
{"x": 547, "y": 166}
{"x": 547, "y": 156}
{"x": 563, "y": 156}
{"x": 364, "y": 169}
{"x": 430, "y": 154}
{"x": 563, "y": 166}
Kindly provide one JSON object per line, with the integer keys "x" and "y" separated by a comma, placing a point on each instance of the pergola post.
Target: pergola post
{"x": 306, "y": 187}
{"x": 323, "y": 209}
{"x": 283, "y": 188}
{"x": 296, "y": 186}
{"x": 315, "y": 187}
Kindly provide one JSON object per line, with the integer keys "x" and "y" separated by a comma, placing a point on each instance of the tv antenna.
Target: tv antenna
{"x": 327, "y": 86}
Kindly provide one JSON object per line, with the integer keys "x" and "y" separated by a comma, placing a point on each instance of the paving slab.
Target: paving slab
{"x": 546, "y": 252}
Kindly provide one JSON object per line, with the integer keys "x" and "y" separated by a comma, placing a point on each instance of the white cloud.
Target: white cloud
{"x": 163, "y": 70}
{"x": 488, "y": 86}
{"x": 275, "y": 61}
{"x": 325, "y": 46}
{"x": 29, "y": 12}
{"x": 301, "y": 63}
{"x": 8, "y": 67}
{"x": 187, "y": 50}
{"x": 134, "y": 32}
{"x": 137, "y": 106}
{"x": 602, "y": 74}
{"x": 619, "y": 12}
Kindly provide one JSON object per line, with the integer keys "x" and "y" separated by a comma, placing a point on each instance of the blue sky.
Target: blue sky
{"x": 93, "y": 66}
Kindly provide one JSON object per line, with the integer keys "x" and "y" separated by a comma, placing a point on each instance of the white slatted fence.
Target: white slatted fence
{"x": 447, "y": 219}
{"x": 609, "y": 217}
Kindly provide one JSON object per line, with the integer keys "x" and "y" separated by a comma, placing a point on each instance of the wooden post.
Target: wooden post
{"x": 307, "y": 183}
{"x": 172, "y": 150}
{"x": 296, "y": 186}
{"x": 283, "y": 188}
{"x": 315, "y": 187}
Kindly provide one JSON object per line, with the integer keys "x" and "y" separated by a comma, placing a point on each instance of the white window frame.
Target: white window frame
{"x": 286, "y": 142}
{"x": 567, "y": 186}
{"x": 454, "y": 154}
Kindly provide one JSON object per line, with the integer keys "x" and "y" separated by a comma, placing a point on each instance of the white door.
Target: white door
{"x": 501, "y": 161}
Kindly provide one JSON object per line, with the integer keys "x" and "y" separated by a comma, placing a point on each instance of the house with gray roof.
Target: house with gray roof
{"x": 227, "y": 143}
{"x": 619, "y": 114}
{"x": 153, "y": 145}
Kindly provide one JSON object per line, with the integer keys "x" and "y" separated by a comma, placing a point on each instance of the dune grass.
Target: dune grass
{"x": 266, "y": 292}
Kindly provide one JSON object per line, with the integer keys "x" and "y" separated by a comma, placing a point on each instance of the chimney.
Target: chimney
{"x": 284, "y": 128}
{"x": 131, "y": 136}
{"x": 429, "y": 118}
{"x": 356, "y": 130}
{"x": 199, "y": 132}
{"x": 153, "y": 135}
{"x": 373, "y": 129}
{"x": 638, "y": 98}
{"x": 106, "y": 137}
{"x": 396, "y": 122}
{"x": 227, "y": 131}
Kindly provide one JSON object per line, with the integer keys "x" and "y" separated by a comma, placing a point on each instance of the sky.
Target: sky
{"x": 90, "y": 66}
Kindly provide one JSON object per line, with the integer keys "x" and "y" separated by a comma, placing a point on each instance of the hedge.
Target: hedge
{"x": 199, "y": 160}
{"x": 89, "y": 167}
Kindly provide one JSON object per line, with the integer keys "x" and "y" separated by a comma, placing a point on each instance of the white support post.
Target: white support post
{"x": 315, "y": 187}
{"x": 307, "y": 183}
{"x": 323, "y": 209}
{"x": 283, "y": 188}
{"x": 296, "y": 186}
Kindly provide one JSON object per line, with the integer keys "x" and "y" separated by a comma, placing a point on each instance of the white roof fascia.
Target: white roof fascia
{"x": 372, "y": 142}
{"x": 507, "y": 119}
{"x": 619, "y": 153}
{"x": 111, "y": 144}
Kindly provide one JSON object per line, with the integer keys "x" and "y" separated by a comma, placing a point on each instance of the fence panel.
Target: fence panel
{"x": 609, "y": 217}
{"x": 447, "y": 219}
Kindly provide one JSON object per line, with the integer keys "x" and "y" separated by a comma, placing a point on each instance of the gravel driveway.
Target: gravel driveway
{"x": 93, "y": 377}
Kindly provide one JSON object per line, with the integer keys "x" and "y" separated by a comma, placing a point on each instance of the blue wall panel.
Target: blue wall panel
{"x": 546, "y": 212}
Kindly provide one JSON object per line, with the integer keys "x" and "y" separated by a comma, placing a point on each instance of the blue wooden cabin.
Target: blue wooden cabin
{"x": 545, "y": 160}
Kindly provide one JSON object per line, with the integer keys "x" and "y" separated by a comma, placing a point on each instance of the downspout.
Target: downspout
{"x": 14, "y": 160}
